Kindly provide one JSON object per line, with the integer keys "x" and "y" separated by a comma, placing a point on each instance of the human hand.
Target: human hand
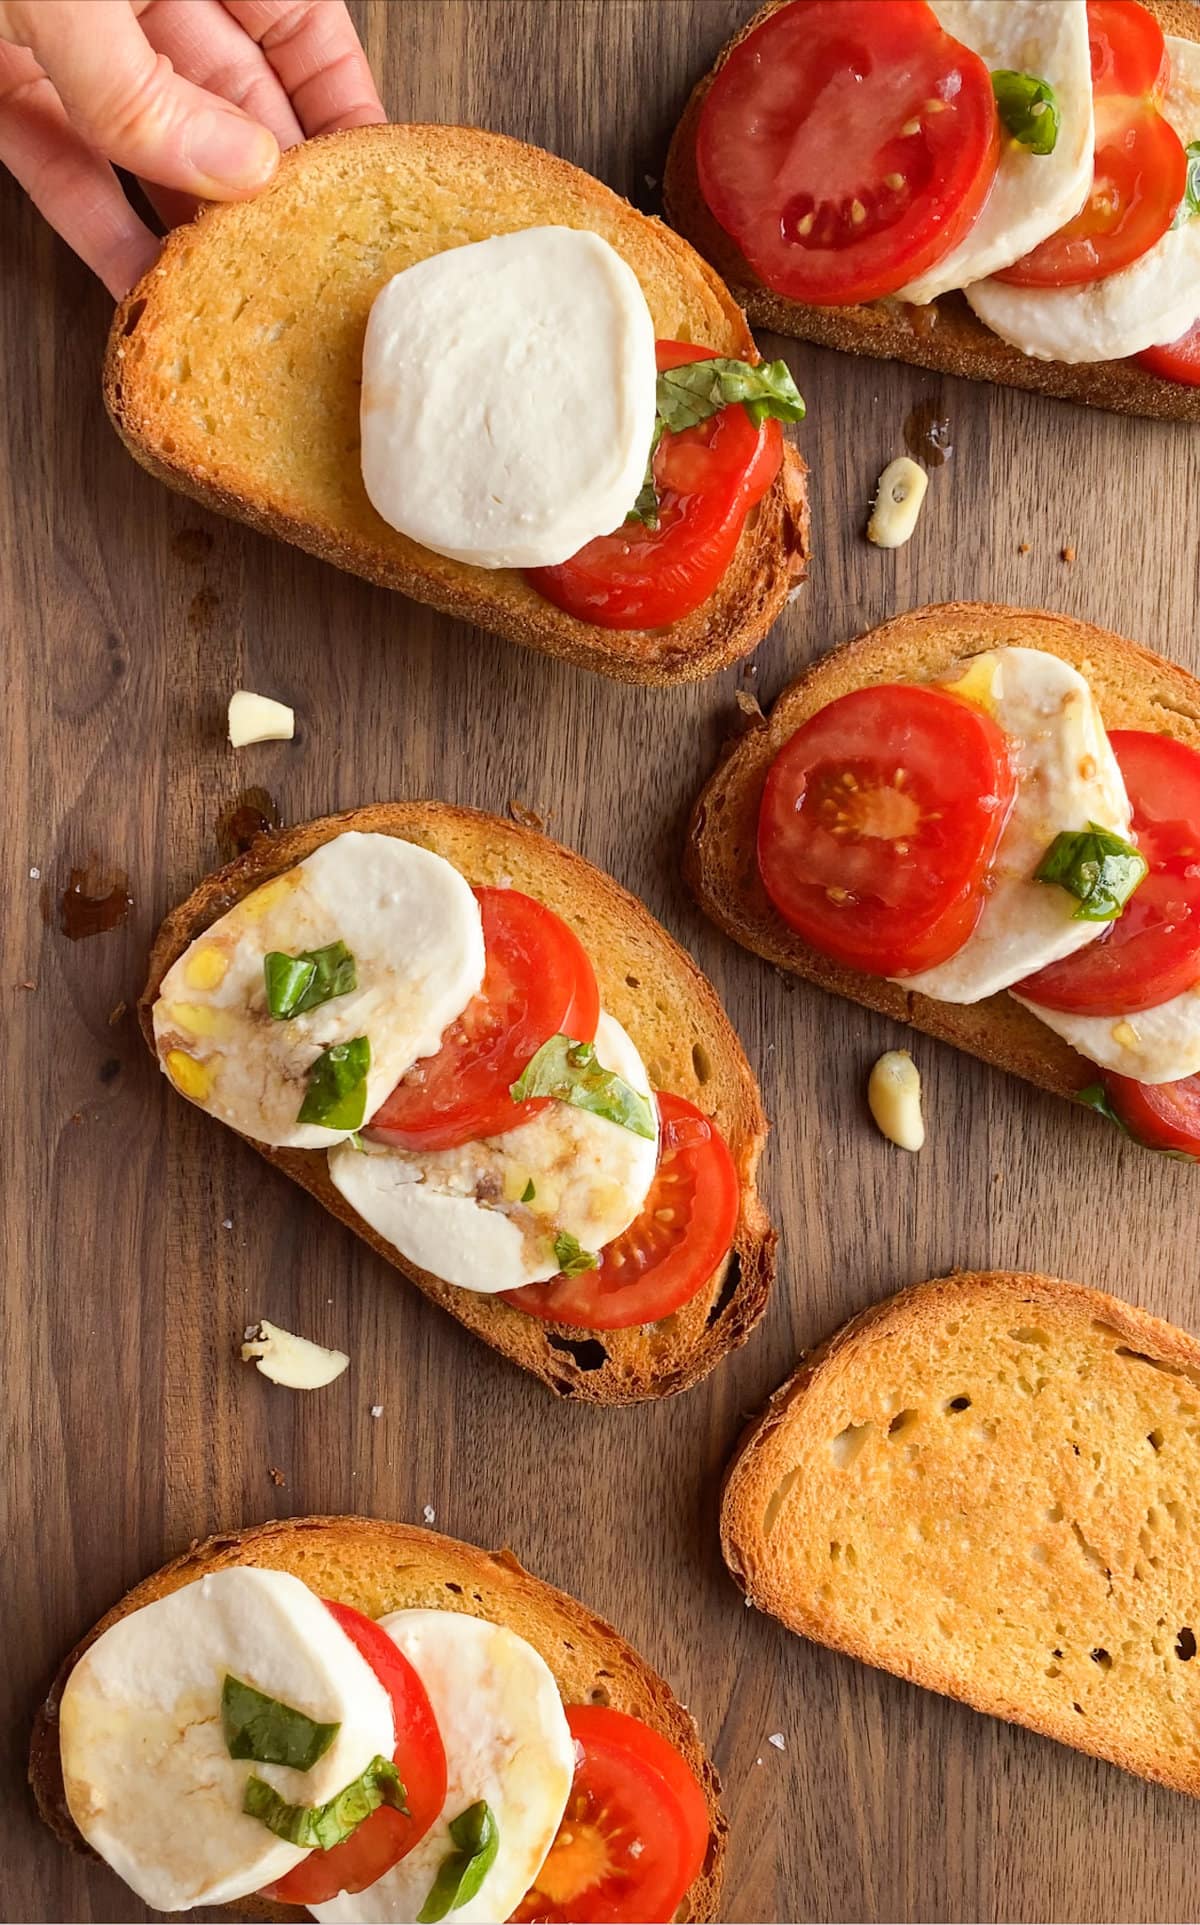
{"x": 195, "y": 96}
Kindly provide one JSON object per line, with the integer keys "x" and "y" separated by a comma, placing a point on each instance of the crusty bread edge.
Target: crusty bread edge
{"x": 945, "y": 336}
{"x": 485, "y": 1316}
{"x": 636, "y": 1687}
{"x": 751, "y": 1467}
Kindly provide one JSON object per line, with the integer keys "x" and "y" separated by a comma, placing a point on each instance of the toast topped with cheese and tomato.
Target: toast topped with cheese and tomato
{"x": 1014, "y": 198}
{"x": 365, "y": 1721}
{"x": 491, "y": 1062}
{"x": 464, "y": 369}
{"x": 983, "y": 821}
{"x": 984, "y": 1484}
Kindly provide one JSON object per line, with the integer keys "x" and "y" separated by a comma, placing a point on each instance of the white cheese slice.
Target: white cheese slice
{"x": 413, "y": 927}
{"x": 1067, "y": 776}
{"x": 1033, "y": 195}
{"x": 507, "y": 1742}
{"x": 1157, "y": 1045}
{"x": 508, "y": 397}
{"x": 148, "y": 1778}
{"x": 1155, "y": 299}
{"x": 458, "y": 1213}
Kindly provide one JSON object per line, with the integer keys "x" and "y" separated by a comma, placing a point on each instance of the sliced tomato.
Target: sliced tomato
{"x": 878, "y": 824}
{"x": 1163, "y": 1116}
{"x": 635, "y": 1832}
{"x": 1140, "y": 163}
{"x": 846, "y": 146}
{"x": 670, "y": 1250}
{"x": 1178, "y": 360}
{"x": 387, "y": 1836}
{"x": 1152, "y": 951}
{"x": 708, "y": 478}
{"x": 538, "y": 982}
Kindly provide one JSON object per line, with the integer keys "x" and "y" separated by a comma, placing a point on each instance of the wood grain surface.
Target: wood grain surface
{"x": 139, "y": 1237}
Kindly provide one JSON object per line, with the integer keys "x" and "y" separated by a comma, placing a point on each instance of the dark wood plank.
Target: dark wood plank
{"x": 139, "y": 1239}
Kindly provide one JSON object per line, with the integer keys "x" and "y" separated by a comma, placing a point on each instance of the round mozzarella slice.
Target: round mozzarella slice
{"x": 1156, "y": 298}
{"x": 148, "y": 1778}
{"x": 413, "y": 927}
{"x": 1067, "y": 776}
{"x": 461, "y": 1214}
{"x": 1157, "y": 1045}
{"x": 507, "y": 1742}
{"x": 1033, "y": 195}
{"x": 508, "y": 397}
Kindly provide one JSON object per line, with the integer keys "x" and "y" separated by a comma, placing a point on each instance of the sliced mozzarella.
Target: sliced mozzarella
{"x": 458, "y": 1213}
{"x": 1067, "y": 776}
{"x": 1033, "y": 195}
{"x": 413, "y": 927}
{"x": 508, "y": 397}
{"x": 148, "y": 1778}
{"x": 1155, "y": 299}
{"x": 507, "y": 1742}
{"x": 1157, "y": 1045}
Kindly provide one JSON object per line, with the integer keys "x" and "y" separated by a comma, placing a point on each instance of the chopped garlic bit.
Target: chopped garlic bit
{"x": 289, "y": 1360}
{"x": 256, "y": 718}
{"x": 894, "y": 1097}
{"x": 777, "y": 1739}
{"x": 898, "y": 501}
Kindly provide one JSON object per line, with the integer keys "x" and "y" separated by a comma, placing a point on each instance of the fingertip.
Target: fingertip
{"x": 228, "y": 154}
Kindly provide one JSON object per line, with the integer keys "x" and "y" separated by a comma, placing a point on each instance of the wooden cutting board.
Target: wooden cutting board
{"x": 140, "y": 1238}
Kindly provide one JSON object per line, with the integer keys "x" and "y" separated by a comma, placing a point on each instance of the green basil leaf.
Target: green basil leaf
{"x": 462, "y": 1872}
{"x": 645, "y": 508}
{"x": 528, "y": 1193}
{"x": 1189, "y": 206}
{"x": 690, "y": 394}
{"x": 1099, "y": 868}
{"x": 320, "y": 1827}
{"x": 299, "y": 983}
{"x": 337, "y": 1086}
{"x": 571, "y": 1257}
{"x": 570, "y": 1071}
{"x": 1028, "y": 108}
{"x": 270, "y": 1732}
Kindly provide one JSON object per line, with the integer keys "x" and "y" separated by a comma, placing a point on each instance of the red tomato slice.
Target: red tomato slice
{"x": 670, "y": 1251}
{"x": 387, "y": 1836}
{"x": 878, "y": 823}
{"x": 708, "y": 479}
{"x": 846, "y": 146}
{"x": 1178, "y": 361}
{"x": 1152, "y": 951}
{"x": 634, "y": 1834}
{"x": 1163, "y": 1116}
{"x": 538, "y": 982}
{"x": 1140, "y": 163}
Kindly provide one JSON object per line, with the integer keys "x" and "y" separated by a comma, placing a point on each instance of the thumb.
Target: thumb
{"x": 130, "y": 104}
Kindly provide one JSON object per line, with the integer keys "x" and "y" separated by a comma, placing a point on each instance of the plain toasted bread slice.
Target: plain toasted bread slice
{"x": 233, "y": 373}
{"x": 1134, "y": 689}
{"x": 678, "y": 1026}
{"x": 378, "y": 1567}
{"x": 988, "y": 1485}
{"x": 945, "y": 335}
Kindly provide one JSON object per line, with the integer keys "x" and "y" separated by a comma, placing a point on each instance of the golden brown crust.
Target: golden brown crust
{"x": 213, "y": 342}
{"x": 945, "y": 335}
{"x": 971, "y": 1636}
{"x": 1134, "y": 689}
{"x": 378, "y": 1567}
{"x": 683, "y": 1035}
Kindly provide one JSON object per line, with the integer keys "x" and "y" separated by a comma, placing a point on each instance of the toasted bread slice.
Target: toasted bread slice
{"x": 988, "y": 1485}
{"x": 945, "y": 335}
{"x": 680, "y": 1030}
{"x": 1134, "y": 690}
{"x": 378, "y": 1567}
{"x": 234, "y": 369}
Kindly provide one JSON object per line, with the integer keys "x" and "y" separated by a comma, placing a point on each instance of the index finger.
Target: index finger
{"x": 318, "y": 57}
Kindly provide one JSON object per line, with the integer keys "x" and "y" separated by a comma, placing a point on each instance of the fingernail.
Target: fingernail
{"x": 231, "y": 150}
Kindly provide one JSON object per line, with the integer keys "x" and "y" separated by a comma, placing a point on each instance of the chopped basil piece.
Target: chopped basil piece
{"x": 570, "y": 1071}
{"x": 1097, "y": 867}
{"x": 1189, "y": 206}
{"x": 270, "y": 1732}
{"x": 689, "y": 394}
{"x": 337, "y": 1086}
{"x": 645, "y": 508}
{"x": 299, "y": 983}
{"x": 1028, "y": 108}
{"x": 571, "y": 1257}
{"x": 528, "y": 1193}
{"x": 477, "y": 1837}
{"x": 320, "y": 1827}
